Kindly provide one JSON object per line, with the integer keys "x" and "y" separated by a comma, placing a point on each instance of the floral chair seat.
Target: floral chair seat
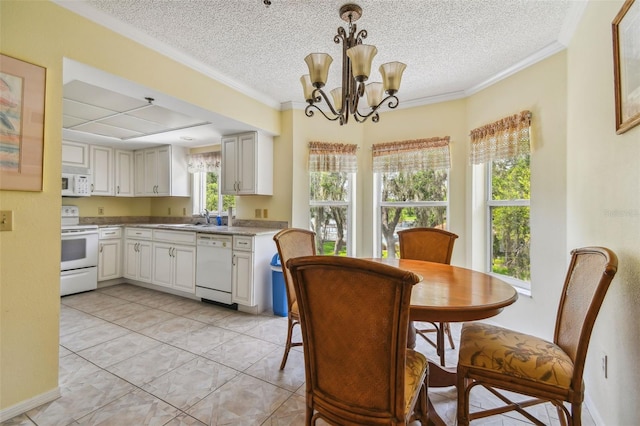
{"x": 493, "y": 348}
{"x": 415, "y": 366}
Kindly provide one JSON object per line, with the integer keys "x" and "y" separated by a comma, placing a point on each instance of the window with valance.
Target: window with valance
{"x": 412, "y": 187}
{"x": 332, "y": 169}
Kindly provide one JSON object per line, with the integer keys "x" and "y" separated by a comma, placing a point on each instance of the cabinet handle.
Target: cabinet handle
{"x": 91, "y": 187}
{"x": 233, "y": 260}
{"x": 137, "y": 247}
{"x": 110, "y": 233}
{"x": 118, "y": 189}
{"x": 101, "y": 248}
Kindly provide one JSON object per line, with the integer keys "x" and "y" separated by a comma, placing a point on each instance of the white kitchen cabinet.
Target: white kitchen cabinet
{"x": 102, "y": 168}
{"x": 162, "y": 171}
{"x": 124, "y": 173}
{"x": 174, "y": 260}
{"x": 247, "y": 164}
{"x": 110, "y": 253}
{"x": 137, "y": 254}
{"x": 251, "y": 273}
{"x": 75, "y": 154}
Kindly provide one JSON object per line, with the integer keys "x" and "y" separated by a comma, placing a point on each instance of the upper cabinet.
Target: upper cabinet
{"x": 247, "y": 164}
{"x": 124, "y": 173}
{"x": 75, "y": 154}
{"x": 162, "y": 171}
{"x": 102, "y": 170}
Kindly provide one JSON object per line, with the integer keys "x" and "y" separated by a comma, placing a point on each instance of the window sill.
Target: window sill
{"x": 522, "y": 287}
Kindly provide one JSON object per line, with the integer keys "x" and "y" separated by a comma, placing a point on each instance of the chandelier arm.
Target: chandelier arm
{"x": 326, "y": 99}
{"x": 361, "y": 35}
{"x": 361, "y": 118}
{"x": 309, "y": 112}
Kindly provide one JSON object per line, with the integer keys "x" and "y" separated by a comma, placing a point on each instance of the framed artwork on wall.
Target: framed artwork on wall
{"x": 22, "y": 94}
{"x": 626, "y": 65}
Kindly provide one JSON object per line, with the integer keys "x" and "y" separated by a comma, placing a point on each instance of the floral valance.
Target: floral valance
{"x": 506, "y": 138}
{"x": 204, "y": 162}
{"x": 411, "y": 155}
{"x": 333, "y": 157}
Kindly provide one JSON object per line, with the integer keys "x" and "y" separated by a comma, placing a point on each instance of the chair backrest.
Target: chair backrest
{"x": 293, "y": 242}
{"x": 590, "y": 272}
{"x": 430, "y": 244}
{"x": 354, "y": 316}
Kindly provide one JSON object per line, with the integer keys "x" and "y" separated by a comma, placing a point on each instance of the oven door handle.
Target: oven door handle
{"x": 77, "y": 233}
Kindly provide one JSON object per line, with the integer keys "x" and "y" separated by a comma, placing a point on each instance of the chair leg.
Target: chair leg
{"x": 463, "y": 399}
{"x": 287, "y": 347}
{"x": 447, "y": 329}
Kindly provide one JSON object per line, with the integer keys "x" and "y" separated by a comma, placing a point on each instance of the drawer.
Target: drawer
{"x": 112, "y": 232}
{"x": 180, "y": 237}
{"x": 140, "y": 233}
{"x": 242, "y": 243}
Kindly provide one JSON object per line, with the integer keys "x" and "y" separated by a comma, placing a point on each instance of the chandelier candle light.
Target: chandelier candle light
{"x": 356, "y": 67}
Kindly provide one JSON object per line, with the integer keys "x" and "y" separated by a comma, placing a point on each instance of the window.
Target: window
{"x": 508, "y": 205}
{"x": 505, "y": 148}
{"x": 206, "y": 184}
{"x": 411, "y": 189}
{"x": 332, "y": 168}
{"x": 330, "y": 211}
{"x": 206, "y": 194}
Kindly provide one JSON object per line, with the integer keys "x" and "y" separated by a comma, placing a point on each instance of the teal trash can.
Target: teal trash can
{"x": 279, "y": 292}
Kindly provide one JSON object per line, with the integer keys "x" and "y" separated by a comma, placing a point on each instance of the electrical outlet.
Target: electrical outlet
{"x": 6, "y": 220}
{"x": 605, "y": 365}
{"x": 184, "y": 211}
{"x": 100, "y": 210}
{"x": 258, "y": 213}
{"x": 265, "y": 213}
{"x": 169, "y": 211}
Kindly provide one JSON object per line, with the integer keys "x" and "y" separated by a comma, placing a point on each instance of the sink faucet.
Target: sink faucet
{"x": 205, "y": 213}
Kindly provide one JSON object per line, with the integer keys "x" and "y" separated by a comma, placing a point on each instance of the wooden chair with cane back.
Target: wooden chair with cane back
{"x": 354, "y": 315}
{"x": 500, "y": 359}
{"x": 292, "y": 242}
{"x": 432, "y": 245}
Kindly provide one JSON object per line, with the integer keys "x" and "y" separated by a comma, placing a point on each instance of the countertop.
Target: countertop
{"x": 203, "y": 228}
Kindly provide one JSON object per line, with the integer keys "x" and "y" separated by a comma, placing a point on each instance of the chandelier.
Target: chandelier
{"x": 356, "y": 67}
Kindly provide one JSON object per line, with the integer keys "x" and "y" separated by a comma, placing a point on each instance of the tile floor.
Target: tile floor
{"x": 134, "y": 356}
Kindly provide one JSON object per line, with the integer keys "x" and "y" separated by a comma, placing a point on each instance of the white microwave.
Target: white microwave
{"x": 76, "y": 184}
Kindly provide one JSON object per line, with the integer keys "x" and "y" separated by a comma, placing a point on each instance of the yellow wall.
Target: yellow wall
{"x": 603, "y": 204}
{"x": 43, "y": 33}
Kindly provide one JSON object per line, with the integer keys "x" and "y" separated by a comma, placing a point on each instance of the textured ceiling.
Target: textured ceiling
{"x": 451, "y": 48}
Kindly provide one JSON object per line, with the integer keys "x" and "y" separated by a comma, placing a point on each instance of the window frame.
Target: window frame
{"x": 520, "y": 285}
{"x": 199, "y": 191}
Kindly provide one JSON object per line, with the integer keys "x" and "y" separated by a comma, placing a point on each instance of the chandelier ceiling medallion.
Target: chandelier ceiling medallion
{"x": 356, "y": 67}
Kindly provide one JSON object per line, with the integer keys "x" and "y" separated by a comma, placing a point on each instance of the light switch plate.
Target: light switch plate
{"x": 6, "y": 220}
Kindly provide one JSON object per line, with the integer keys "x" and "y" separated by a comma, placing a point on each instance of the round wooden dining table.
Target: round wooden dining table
{"x": 449, "y": 293}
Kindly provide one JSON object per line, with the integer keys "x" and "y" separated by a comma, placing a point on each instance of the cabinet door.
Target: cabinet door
{"x": 228, "y": 168}
{"x": 101, "y": 170}
{"x": 138, "y": 174}
{"x": 75, "y": 154}
{"x": 124, "y": 173}
{"x": 144, "y": 261}
{"x": 162, "y": 264}
{"x": 131, "y": 258}
{"x": 109, "y": 259}
{"x": 246, "y": 169}
{"x": 150, "y": 171}
{"x": 242, "y": 291}
{"x": 184, "y": 258}
{"x": 163, "y": 171}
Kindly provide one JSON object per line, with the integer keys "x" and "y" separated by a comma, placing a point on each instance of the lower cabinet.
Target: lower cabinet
{"x": 251, "y": 272}
{"x": 137, "y": 254}
{"x": 110, "y": 254}
{"x": 242, "y": 278}
{"x": 174, "y": 266}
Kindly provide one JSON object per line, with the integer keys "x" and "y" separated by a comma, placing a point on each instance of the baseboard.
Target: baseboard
{"x": 29, "y": 404}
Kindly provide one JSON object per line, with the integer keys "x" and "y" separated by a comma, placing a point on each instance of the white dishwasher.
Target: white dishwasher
{"x": 213, "y": 267}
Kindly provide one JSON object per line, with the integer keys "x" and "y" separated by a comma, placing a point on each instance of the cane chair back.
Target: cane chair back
{"x": 354, "y": 315}
{"x": 292, "y": 242}
{"x": 502, "y": 359}
{"x": 432, "y": 245}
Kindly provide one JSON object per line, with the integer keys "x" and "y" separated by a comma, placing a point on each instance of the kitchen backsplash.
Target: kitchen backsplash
{"x": 120, "y": 220}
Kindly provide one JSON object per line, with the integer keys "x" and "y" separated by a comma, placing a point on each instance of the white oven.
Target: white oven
{"x": 79, "y": 254}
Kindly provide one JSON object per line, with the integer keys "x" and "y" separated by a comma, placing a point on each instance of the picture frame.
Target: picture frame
{"x": 22, "y": 97}
{"x": 626, "y": 65}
